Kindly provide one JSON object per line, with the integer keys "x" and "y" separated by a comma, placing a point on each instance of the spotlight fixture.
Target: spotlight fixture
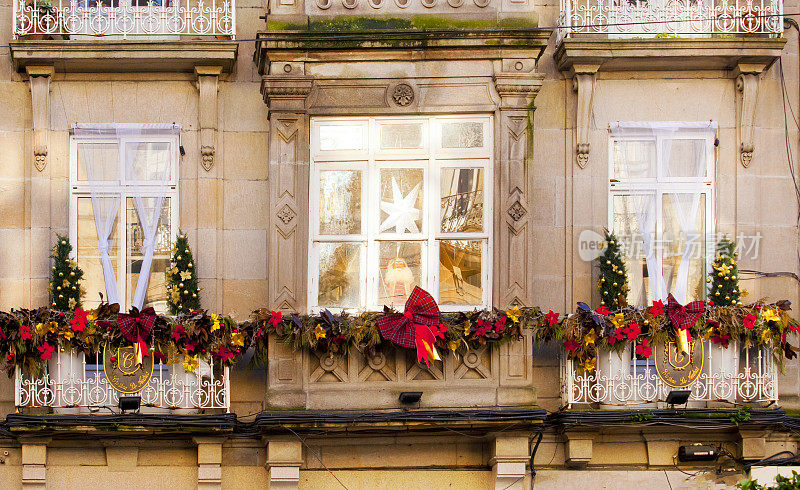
{"x": 678, "y": 397}
{"x": 698, "y": 452}
{"x": 409, "y": 397}
{"x": 129, "y": 403}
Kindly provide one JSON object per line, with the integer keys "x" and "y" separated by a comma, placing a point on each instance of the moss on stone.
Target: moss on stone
{"x": 418, "y": 23}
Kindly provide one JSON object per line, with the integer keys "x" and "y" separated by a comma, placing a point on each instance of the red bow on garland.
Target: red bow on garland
{"x": 135, "y": 327}
{"x": 683, "y": 318}
{"x": 416, "y": 326}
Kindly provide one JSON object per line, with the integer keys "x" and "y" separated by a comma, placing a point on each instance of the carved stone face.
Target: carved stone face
{"x": 403, "y": 94}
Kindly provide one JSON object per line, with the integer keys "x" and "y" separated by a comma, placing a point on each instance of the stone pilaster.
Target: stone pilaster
{"x": 209, "y": 463}
{"x": 284, "y": 458}
{"x": 517, "y": 85}
{"x": 34, "y": 461}
{"x": 510, "y": 457}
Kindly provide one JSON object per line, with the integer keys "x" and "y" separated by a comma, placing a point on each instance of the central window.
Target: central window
{"x": 397, "y": 203}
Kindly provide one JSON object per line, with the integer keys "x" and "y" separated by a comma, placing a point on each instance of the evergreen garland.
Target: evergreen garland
{"x": 65, "y": 278}
{"x": 724, "y": 276}
{"x": 613, "y": 282}
{"x": 182, "y": 291}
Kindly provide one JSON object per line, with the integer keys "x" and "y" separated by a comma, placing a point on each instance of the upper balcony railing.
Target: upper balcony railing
{"x": 670, "y": 18}
{"x": 124, "y": 19}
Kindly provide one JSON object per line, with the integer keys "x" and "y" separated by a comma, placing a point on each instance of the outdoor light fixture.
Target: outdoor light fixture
{"x": 698, "y": 452}
{"x": 678, "y": 397}
{"x": 127, "y": 403}
{"x": 409, "y": 397}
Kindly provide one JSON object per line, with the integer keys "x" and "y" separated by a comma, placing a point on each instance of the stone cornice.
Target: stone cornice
{"x": 286, "y": 93}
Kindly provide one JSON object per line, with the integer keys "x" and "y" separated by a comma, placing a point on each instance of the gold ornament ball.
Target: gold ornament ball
{"x": 54, "y": 303}
{"x": 58, "y": 288}
{"x": 180, "y": 285}
{"x": 60, "y": 274}
{"x": 180, "y": 257}
{"x": 60, "y": 295}
{"x": 720, "y": 274}
{"x": 602, "y": 303}
{"x": 54, "y": 267}
{"x": 733, "y": 277}
{"x": 72, "y": 274}
{"x": 63, "y": 242}
{"x": 615, "y": 284}
{"x": 716, "y": 294}
{"x": 727, "y": 297}
{"x": 602, "y": 279}
{"x": 190, "y": 265}
{"x": 186, "y": 251}
{"x": 185, "y": 292}
{"x": 605, "y": 293}
{"x": 708, "y": 280}
{"x": 194, "y": 295}
{"x": 726, "y": 278}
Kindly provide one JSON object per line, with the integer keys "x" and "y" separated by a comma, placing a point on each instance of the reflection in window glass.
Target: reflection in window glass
{"x": 102, "y": 159}
{"x": 341, "y": 137}
{"x": 401, "y": 200}
{"x": 460, "y": 272}
{"x": 156, "y": 294}
{"x": 687, "y": 158}
{"x": 400, "y": 264}
{"x": 634, "y": 159}
{"x": 401, "y": 136}
{"x": 677, "y": 241}
{"x": 462, "y": 200}
{"x": 150, "y": 161}
{"x": 466, "y": 134}
{"x": 339, "y": 274}
{"x": 339, "y": 202}
{"x": 89, "y": 257}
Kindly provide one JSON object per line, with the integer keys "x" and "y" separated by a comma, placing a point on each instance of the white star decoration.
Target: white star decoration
{"x": 402, "y": 212}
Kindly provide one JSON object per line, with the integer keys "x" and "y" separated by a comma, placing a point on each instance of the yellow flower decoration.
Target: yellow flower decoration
{"x": 190, "y": 363}
{"x": 71, "y": 303}
{"x": 186, "y": 275}
{"x": 467, "y": 328}
{"x": 319, "y": 332}
{"x": 237, "y": 338}
{"x": 589, "y": 365}
{"x": 513, "y": 314}
{"x": 765, "y": 338}
{"x": 618, "y": 320}
{"x": 68, "y": 334}
{"x": 216, "y": 325}
{"x": 590, "y": 337}
{"x": 770, "y": 316}
{"x": 452, "y": 345}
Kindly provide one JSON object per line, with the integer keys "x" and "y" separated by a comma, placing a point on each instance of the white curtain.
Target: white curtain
{"x": 126, "y": 157}
{"x": 688, "y": 163}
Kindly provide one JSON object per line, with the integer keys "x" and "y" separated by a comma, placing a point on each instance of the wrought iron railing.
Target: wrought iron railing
{"x": 124, "y": 18}
{"x": 71, "y": 384}
{"x": 732, "y": 374}
{"x": 678, "y": 18}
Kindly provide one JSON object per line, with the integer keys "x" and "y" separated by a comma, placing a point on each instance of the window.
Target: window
{"x": 148, "y": 151}
{"x": 660, "y": 206}
{"x": 397, "y": 203}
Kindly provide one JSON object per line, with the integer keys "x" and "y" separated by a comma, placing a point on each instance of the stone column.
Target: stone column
{"x": 284, "y": 458}
{"x": 517, "y": 86}
{"x": 209, "y": 463}
{"x": 510, "y": 458}
{"x": 34, "y": 461}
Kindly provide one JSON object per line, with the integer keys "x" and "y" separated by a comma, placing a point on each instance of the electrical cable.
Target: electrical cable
{"x": 319, "y": 457}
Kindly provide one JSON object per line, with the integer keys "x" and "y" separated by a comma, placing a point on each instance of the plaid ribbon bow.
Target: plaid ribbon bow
{"x": 416, "y": 326}
{"x": 136, "y": 326}
{"x": 684, "y": 317}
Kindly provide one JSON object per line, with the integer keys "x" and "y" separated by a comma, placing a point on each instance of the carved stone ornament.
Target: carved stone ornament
{"x": 40, "y": 157}
{"x": 286, "y": 214}
{"x": 583, "y": 84}
{"x": 516, "y": 211}
{"x": 403, "y": 94}
{"x": 207, "y": 153}
{"x": 747, "y": 86}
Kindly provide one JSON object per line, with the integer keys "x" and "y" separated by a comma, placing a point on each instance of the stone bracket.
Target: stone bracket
{"x": 578, "y": 448}
{"x": 510, "y": 457}
{"x": 583, "y": 81}
{"x": 747, "y": 81}
{"x": 754, "y": 444}
{"x": 208, "y": 89}
{"x": 39, "y": 78}
{"x": 284, "y": 458}
{"x": 209, "y": 462}
{"x": 34, "y": 463}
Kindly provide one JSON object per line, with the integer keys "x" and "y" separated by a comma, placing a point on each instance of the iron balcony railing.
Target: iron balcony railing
{"x": 670, "y": 18}
{"x": 732, "y": 374}
{"x": 123, "y": 19}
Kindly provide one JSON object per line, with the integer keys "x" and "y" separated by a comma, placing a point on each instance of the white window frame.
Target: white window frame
{"x": 82, "y": 189}
{"x": 431, "y": 158}
{"x": 661, "y": 185}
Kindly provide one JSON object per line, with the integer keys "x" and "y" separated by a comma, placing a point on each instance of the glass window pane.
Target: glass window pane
{"x": 401, "y": 136}
{"x": 462, "y": 200}
{"x": 687, "y": 158}
{"x": 634, "y": 159}
{"x": 341, "y": 137}
{"x": 401, "y": 200}
{"x": 339, "y": 202}
{"x": 460, "y": 272}
{"x": 156, "y": 294}
{"x": 89, "y": 257}
{"x": 463, "y": 134}
{"x": 626, "y": 228}
{"x": 339, "y": 275}
{"x": 150, "y": 161}
{"x": 684, "y": 245}
{"x": 102, "y": 160}
{"x": 399, "y": 269}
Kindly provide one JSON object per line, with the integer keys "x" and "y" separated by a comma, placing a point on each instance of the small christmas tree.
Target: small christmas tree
{"x": 724, "y": 275}
{"x": 65, "y": 278}
{"x": 613, "y": 282}
{"x": 182, "y": 292}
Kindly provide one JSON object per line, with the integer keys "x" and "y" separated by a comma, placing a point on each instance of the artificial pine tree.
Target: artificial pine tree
{"x": 613, "y": 282}
{"x": 65, "y": 278}
{"x": 724, "y": 276}
{"x": 182, "y": 292}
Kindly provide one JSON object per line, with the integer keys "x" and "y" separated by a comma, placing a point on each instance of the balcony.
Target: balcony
{"x": 76, "y": 384}
{"x": 728, "y": 375}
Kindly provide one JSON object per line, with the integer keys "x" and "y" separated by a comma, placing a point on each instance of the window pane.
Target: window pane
{"x": 89, "y": 256}
{"x": 464, "y": 134}
{"x": 398, "y": 136}
{"x": 102, "y": 160}
{"x": 634, "y": 159}
{"x": 687, "y": 158}
{"x": 684, "y": 245}
{"x": 462, "y": 200}
{"x": 341, "y": 137}
{"x": 150, "y": 161}
{"x": 339, "y": 274}
{"x": 401, "y": 200}
{"x": 339, "y": 202}
{"x": 626, "y": 228}
{"x": 400, "y": 265}
{"x": 156, "y": 294}
{"x": 460, "y": 272}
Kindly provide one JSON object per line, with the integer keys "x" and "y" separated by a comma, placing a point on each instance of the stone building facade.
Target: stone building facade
{"x": 523, "y": 93}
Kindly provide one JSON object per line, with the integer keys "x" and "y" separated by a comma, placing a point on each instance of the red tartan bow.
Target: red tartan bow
{"x": 136, "y": 326}
{"x": 684, "y": 317}
{"x": 416, "y": 326}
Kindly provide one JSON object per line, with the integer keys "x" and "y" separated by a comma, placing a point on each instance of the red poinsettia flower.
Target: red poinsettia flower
{"x": 571, "y": 345}
{"x": 633, "y": 330}
{"x": 643, "y": 349}
{"x": 275, "y": 319}
{"x": 79, "y": 320}
{"x": 160, "y": 356}
{"x": 25, "y": 332}
{"x": 484, "y": 327}
{"x": 259, "y": 333}
{"x": 46, "y": 350}
{"x": 190, "y": 347}
{"x": 603, "y": 310}
{"x": 721, "y": 340}
{"x": 750, "y": 321}
{"x": 657, "y": 309}
{"x": 613, "y": 340}
{"x": 178, "y": 332}
{"x": 551, "y": 318}
{"x": 225, "y": 354}
{"x": 500, "y": 325}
